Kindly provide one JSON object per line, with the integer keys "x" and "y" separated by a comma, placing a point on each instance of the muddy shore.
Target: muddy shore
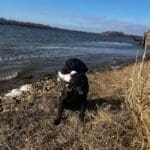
{"x": 28, "y": 77}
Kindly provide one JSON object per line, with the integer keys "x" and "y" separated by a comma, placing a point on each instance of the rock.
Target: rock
{"x": 17, "y": 92}
{"x": 14, "y": 93}
{"x": 26, "y": 88}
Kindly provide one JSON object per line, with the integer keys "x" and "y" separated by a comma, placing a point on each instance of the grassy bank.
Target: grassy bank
{"x": 138, "y": 100}
{"x": 117, "y": 115}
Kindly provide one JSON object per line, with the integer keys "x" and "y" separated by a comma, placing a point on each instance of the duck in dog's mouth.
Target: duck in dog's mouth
{"x": 65, "y": 77}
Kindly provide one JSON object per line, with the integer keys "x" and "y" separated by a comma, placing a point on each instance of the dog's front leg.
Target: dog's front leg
{"x": 60, "y": 111}
{"x": 83, "y": 108}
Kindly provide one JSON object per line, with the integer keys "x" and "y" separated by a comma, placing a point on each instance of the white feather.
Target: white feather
{"x": 73, "y": 72}
{"x": 65, "y": 77}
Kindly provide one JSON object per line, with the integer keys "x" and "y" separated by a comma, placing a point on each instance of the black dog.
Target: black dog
{"x": 74, "y": 91}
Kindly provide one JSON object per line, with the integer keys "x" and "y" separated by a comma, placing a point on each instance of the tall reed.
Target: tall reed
{"x": 138, "y": 99}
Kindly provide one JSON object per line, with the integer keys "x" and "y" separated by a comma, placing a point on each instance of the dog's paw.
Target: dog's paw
{"x": 57, "y": 122}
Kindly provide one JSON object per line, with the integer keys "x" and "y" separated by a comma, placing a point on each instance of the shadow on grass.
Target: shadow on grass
{"x": 94, "y": 104}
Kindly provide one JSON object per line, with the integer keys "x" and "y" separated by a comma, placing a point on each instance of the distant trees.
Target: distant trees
{"x": 4, "y": 21}
{"x": 113, "y": 33}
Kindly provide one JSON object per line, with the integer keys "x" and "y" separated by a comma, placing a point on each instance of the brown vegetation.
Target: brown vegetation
{"x": 4, "y": 21}
{"x": 117, "y": 115}
{"x": 138, "y": 100}
{"x": 113, "y": 33}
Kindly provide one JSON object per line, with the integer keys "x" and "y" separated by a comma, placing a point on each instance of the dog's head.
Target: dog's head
{"x": 74, "y": 64}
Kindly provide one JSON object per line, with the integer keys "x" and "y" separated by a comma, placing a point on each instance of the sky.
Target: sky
{"x": 129, "y": 16}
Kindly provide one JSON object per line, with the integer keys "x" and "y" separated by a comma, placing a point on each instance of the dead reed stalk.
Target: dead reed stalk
{"x": 138, "y": 99}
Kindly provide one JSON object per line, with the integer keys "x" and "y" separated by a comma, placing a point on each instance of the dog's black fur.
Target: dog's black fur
{"x": 75, "y": 93}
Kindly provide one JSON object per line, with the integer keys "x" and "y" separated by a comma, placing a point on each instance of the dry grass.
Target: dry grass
{"x": 138, "y": 99}
{"x": 111, "y": 122}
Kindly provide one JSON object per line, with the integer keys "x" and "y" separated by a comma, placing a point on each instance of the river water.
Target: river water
{"x": 40, "y": 51}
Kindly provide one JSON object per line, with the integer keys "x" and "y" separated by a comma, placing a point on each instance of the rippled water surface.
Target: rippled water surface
{"x": 45, "y": 50}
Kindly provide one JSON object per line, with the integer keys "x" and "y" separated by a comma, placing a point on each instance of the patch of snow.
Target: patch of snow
{"x": 17, "y": 92}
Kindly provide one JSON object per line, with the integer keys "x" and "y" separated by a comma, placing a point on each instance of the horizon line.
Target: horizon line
{"x": 44, "y": 25}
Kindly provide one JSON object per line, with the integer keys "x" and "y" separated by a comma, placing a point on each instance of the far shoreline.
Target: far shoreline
{"x": 28, "y": 24}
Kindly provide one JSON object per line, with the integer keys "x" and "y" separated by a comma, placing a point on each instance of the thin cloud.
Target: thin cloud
{"x": 90, "y": 23}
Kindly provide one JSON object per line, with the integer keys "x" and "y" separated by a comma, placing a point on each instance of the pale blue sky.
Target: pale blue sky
{"x": 130, "y": 16}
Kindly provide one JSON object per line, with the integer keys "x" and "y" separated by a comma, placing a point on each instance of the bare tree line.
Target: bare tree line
{"x": 4, "y": 21}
